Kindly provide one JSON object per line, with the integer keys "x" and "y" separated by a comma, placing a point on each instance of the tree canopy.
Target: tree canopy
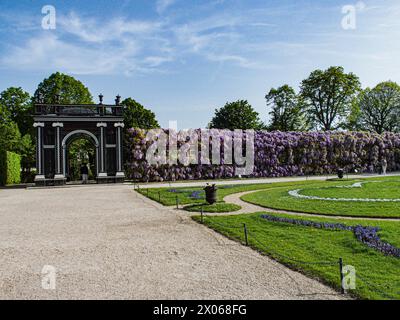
{"x": 236, "y": 115}
{"x": 378, "y": 109}
{"x": 286, "y": 110}
{"x": 10, "y": 137}
{"x": 68, "y": 89}
{"x": 137, "y": 116}
{"x": 328, "y": 96}
{"x": 16, "y": 106}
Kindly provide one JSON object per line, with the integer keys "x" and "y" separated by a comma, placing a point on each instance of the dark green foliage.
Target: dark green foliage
{"x": 378, "y": 109}
{"x": 137, "y": 116}
{"x": 17, "y": 107}
{"x": 327, "y": 96}
{"x": 286, "y": 112}
{"x": 10, "y": 168}
{"x": 236, "y": 115}
{"x": 10, "y": 137}
{"x": 69, "y": 90}
{"x": 81, "y": 151}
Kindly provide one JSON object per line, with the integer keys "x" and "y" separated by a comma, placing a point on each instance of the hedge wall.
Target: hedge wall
{"x": 278, "y": 154}
{"x": 10, "y": 168}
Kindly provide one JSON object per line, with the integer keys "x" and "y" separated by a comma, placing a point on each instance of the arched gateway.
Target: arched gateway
{"x": 57, "y": 125}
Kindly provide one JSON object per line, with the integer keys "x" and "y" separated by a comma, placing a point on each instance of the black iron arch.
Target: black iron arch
{"x": 57, "y": 124}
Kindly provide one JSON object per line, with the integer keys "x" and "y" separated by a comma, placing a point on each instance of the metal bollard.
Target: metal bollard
{"x": 341, "y": 275}
{"x": 245, "y": 234}
{"x": 202, "y": 213}
{"x": 177, "y": 202}
{"x": 159, "y": 196}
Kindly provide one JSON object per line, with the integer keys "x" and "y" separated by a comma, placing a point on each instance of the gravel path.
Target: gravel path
{"x": 108, "y": 242}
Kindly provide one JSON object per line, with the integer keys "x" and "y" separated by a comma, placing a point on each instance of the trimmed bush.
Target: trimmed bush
{"x": 10, "y": 168}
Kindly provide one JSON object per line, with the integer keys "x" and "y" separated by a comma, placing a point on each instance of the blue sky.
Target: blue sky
{"x": 184, "y": 58}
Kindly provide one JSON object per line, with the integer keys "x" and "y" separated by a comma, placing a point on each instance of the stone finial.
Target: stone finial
{"x": 118, "y": 100}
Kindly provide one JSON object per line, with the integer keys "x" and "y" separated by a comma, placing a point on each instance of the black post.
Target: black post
{"x": 341, "y": 275}
{"x": 202, "y": 214}
{"x": 177, "y": 202}
{"x": 159, "y": 196}
{"x": 245, "y": 234}
{"x": 147, "y": 192}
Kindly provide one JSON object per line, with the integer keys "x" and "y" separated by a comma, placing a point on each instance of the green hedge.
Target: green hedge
{"x": 10, "y": 168}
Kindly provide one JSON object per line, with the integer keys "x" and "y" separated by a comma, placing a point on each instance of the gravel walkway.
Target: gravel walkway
{"x": 108, "y": 242}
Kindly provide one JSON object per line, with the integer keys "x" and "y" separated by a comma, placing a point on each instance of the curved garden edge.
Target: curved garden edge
{"x": 219, "y": 207}
{"x": 248, "y": 207}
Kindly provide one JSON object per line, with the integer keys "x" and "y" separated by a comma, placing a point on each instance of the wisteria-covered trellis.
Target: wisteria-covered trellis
{"x": 277, "y": 154}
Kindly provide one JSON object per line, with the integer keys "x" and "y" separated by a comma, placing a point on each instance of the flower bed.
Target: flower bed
{"x": 367, "y": 235}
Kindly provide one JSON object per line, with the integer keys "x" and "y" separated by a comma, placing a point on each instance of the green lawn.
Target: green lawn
{"x": 285, "y": 242}
{"x": 217, "y": 207}
{"x": 378, "y": 276}
{"x": 374, "y": 188}
{"x": 185, "y": 195}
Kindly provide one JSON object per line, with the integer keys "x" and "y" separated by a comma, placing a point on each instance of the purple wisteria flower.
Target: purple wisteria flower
{"x": 366, "y": 234}
{"x": 276, "y": 154}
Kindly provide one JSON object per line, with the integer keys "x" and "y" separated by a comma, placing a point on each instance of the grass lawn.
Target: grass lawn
{"x": 373, "y": 188}
{"x": 285, "y": 242}
{"x": 377, "y": 274}
{"x": 196, "y": 195}
{"x": 217, "y": 207}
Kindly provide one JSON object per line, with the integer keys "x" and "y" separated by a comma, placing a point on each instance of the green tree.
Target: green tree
{"x": 378, "y": 109}
{"x": 10, "y": 137}
{"x": 328, "y": 96}
{"x": 17, "y": 107}
{"x": 68, "y": 89}
{"x": 81, "y": 151}
{"x": 236, "y": 115}
{"x": 137, "y": 116}
{"x": 286, "y": 112}
{"x": 27, "y": 150}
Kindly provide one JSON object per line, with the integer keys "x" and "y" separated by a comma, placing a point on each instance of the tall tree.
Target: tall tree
{"x": 379, "y": 108}
{"x": 17, "y": 107}
{"x": 137, "y": 116}
{"x": 27, "y": 150}
{"x": 62, "y": 88}
{"x": 236, "y": 115}
{"x": 327, "y": 97}
{"x": 10, "y": 137}
{"x": 286, "y": 110}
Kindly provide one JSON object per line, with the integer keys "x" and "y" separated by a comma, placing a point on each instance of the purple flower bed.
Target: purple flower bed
{"x": 367, "y": 235}
{"x": 277, "y": 154}
{"x": 196, "y": 195}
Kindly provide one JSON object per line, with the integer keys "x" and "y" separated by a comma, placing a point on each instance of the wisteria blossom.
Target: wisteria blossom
{"x": 276, "y": 154}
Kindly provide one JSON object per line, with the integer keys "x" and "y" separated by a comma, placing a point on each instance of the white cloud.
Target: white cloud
{"x": 48, "y": 52}
{"x": 86, "y": 46}
{"x": 257, "y": 39}
{"x": 163, "y": 5}
{"x": 90, "y": 30}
